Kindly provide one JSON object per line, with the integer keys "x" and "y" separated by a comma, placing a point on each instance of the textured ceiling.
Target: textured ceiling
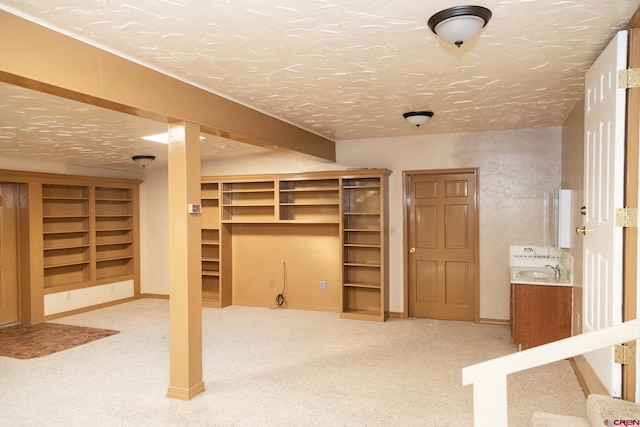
{"x": 342, "y": 69}
{"x": 35, "y": 125}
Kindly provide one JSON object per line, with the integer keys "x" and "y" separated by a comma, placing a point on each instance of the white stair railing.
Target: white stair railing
{"x": 489, "y": 379}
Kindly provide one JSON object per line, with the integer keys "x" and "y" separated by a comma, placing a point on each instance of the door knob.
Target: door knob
{"x": 412, "y": 250}
{"x": 581, "y": 230}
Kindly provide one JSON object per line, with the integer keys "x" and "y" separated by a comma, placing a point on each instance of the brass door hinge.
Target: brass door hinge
{"x": 629, "y": 78}
{"x": 625, "y": 354}
{"x": 627, "y": 217}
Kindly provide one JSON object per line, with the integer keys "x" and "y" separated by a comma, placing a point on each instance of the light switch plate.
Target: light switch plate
{"x": 195, "y": 208}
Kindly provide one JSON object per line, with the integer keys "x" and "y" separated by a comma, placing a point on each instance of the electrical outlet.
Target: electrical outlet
{"x": 113, "y": 288}
{"x": 272, "y": 283}
{"x": 67, "y": 296}
{"x": 322, "y": 284}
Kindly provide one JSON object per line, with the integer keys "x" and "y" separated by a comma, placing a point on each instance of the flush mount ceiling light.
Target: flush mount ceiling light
{"x": 143, "y": 160}
{"x": 459, "y": 24}
{"x": 418, "y": 118}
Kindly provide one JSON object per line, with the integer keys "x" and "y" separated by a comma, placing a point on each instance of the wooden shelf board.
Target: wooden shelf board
{"x": 358, "y": 245}
{"x": 115, "y": 258}
{"x": 361, "y": 213}
{"x": 249, "y": 205}
{"x": 250, "y": 221}
{"x": 66, "y": 264}
{"x": 126, "y": 242}
{"x": 210, "y": 259}
{"x": 361, "y": 264}
{"x": 310, "y": 190}
{"x": 309, "y": 221}
{"x": 104, "y": 199}
{"x": 61, "y": 287}
{"x": 362, "y": 230}
{"x": 211, "y": 273}
{"x": 64, "y": 216}
{"x": 211, "y": 242}
{"x": 112, "y": 229}
{"x": 113, "y": 216}
{"x": 47, "y": 233}
{"x": 360, "y": 187}
{"x": 362, "y": 285}
{"x": 65, "y": 198}
{"x": 362, "y": 315}
{"x": 268, "y": 190}
{"x": 309, "y": 204}
{"x": 56, "y": 248}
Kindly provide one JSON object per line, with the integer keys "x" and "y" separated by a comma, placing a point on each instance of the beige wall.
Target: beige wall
{"x": 572, "y": 178}
{"x": 516, "y": 168}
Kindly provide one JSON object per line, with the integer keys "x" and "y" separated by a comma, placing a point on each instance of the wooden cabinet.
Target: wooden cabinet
{"x": 88, "y": 235}
{"x": 540, "y": 314}
{"x": 352, "y": 204}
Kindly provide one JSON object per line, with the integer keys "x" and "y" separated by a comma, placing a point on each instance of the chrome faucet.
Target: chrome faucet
{"x": 555, "y": 269}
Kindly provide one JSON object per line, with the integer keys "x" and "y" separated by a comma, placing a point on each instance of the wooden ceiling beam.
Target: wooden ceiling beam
{"x": 39, "y": 58}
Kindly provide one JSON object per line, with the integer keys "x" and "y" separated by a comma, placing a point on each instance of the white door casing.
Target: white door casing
{"x": 605, "y": 111}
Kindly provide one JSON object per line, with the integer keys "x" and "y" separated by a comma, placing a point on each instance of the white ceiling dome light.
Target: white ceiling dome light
{"x": 418, "y": 118}
{"x": 459, "y": 24}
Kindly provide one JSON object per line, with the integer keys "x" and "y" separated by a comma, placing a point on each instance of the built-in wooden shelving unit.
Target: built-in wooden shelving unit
{"x": 364, "y": 237}
{"x": 313, "y": 200}
{"x": 354, "y": 201}
{"x": 66, "y": 235}
{"x": 114, "y": 232}
{"x": 89, "y": 235}
{"x": 213, "y": 294}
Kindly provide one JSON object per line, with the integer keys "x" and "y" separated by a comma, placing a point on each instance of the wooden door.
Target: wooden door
{"x": 8, "y": 254}
{"x": 442, "y": 244}
{"x": 603, "y": 193}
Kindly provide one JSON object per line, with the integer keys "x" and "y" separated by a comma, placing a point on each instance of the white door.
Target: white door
{"x": 605, "y": 109}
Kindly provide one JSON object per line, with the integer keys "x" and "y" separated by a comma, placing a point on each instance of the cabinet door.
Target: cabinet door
{"x": 542, "y": 314}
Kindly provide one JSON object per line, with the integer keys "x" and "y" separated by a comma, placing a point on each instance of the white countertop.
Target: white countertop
{"x": 539, "y": 276}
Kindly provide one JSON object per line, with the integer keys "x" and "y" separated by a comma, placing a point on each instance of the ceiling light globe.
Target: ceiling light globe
{"x": 418, "y": 118}
{"x": 457, "y": 25}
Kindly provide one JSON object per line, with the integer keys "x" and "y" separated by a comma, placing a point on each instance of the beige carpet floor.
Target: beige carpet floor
{"x": 274, "y": 368}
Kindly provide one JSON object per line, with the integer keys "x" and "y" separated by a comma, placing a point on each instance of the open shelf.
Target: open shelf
{"x": 214, "y": 293}
{"x": 364, "y": 244}
{"x": 87, "y": 234}
{"x": 346, "y": 206}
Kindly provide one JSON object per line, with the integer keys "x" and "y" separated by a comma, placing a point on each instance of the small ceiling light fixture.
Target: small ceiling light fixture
{"x": 418, "y": 118}
{"x": 459, "y": 24}
{"x": 143, "y": 160}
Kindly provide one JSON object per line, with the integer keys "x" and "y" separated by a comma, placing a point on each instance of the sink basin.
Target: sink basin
{"x": 536, "y": 274}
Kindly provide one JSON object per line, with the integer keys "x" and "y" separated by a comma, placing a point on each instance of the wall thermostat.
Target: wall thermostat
{"x": 195, "y": 208}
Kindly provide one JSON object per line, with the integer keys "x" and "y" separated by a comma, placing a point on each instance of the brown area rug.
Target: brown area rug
{"x": 29, "y": 341}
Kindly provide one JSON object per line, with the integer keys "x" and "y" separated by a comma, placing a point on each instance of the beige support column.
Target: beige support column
{"x": 185, "y": 280}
